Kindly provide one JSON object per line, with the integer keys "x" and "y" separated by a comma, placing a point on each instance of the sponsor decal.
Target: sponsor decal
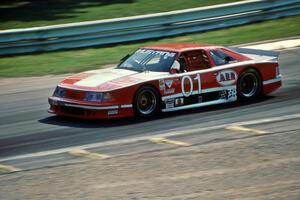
{"x": 162, "y": 84}
{"x": 165, "y": 86}
{"x": 170, "y": 91}
{"x": 112, "y": 112}
{"x": 226, "y": 77}
{"x": 179, "y": 102}
{"x": 165, "y": 54}
{"x": 232, "y": 94}
{"x": 169, "y": 103}
{"x": 223, "y": 94}
{"x": 229, "y": 94}
{"x": 169, "y": 83}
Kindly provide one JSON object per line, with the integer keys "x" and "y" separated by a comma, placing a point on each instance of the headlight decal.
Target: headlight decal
{"x": 59, "y": 92}
{"x": 107, "y": 97}
{"x": 98, "y": 97}
{"x": 94, "y": 96}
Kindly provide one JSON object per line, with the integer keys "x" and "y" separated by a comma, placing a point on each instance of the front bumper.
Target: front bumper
{"x": 63, "y": 107}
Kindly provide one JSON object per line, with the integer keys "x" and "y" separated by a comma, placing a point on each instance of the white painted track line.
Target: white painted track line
{"x": 285, "y": 44}
{"x": 161, "y": 140}
{"x": 143, "y": 138}
{"x": 242, "y": 129}
{"x": 9, "y": 168}
{"x": 87, "y": 154}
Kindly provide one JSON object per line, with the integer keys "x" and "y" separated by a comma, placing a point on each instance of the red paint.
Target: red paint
{"x": 267, "y": 89}
{"x": 178, "y": 47}
{"x": 200, "y": 66}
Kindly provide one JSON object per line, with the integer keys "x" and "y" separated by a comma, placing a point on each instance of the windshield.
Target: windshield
{"x": 149, "y": 60}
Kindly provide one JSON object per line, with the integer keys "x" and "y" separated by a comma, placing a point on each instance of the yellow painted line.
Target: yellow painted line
{"x": 162, "y": 140}
{"x": 87, "y": 154}
{"x": 8, "y": 168}
{"x": 244, "y": 129}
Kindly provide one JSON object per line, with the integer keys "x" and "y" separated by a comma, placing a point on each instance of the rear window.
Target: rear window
{"x": 220, "y": 58}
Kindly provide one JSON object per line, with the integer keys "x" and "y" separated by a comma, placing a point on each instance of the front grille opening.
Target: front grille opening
{"x": 72, "y": 110}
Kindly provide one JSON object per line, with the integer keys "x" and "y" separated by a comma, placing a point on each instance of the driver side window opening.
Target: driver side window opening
{"x": 193, "y": 60}
{"x": 182, "y": 62}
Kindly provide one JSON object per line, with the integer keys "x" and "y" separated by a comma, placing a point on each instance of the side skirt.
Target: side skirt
{"x": 206, "y": 98}
{"x": 197, "y": 105}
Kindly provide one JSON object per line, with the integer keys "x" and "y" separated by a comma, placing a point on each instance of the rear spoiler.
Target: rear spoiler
{"x": 257, "y": 54}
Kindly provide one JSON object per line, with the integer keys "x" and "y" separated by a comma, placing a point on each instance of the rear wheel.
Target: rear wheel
{"x": 249, "y": 85}
{"x": 146, "y": 101}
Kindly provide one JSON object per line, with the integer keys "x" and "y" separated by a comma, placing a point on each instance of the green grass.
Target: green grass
{"x": 93, "y": 58}
{"x": 30, "y": 13}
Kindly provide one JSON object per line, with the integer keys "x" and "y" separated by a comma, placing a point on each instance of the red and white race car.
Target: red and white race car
{"x": 167, "y": 78}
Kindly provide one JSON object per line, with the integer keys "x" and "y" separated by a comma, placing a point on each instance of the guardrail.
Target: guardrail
{"x": 127, "y": 29}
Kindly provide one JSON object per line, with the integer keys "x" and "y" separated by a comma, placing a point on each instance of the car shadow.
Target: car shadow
{"x": 8, "y": 143}
{"x": 85, "y": 123}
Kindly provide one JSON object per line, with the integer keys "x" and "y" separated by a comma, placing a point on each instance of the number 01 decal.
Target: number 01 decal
{"x": 191, "y": 83}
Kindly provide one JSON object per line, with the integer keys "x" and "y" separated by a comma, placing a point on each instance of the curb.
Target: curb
{"x": 276, "y": 44}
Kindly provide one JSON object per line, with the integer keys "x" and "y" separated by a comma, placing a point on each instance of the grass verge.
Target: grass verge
{"x": 30, "y": 13}
{"x": 92, "y": 58}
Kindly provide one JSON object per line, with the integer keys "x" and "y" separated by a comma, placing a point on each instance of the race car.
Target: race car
{"x": 168, "y": 77}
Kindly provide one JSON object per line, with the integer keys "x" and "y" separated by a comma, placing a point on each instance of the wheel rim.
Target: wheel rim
{"x": 146, "y": 102}
{"x": 249, "y": 85}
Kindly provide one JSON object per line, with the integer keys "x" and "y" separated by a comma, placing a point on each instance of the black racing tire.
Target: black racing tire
{"x": 146, "y": 102}
{"x": 249, "y": 85}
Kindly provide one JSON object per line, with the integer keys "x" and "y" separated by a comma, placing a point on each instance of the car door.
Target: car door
{"x": 195, "y": 79}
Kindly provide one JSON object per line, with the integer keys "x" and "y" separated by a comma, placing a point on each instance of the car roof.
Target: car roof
{"x": 179, "y": 47}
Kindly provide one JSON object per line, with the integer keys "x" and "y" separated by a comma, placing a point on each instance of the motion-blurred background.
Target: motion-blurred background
{"x": 93, "y": 43}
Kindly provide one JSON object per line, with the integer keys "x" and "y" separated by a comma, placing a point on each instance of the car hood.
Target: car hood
{"x": 108, "y": 79}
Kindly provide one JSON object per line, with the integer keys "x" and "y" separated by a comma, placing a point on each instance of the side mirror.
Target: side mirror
{"x": 175, "y": 68}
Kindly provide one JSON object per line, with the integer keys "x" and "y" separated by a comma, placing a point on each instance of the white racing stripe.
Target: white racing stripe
{"x": 272, "y": 80}
{"x": 195, "y": 92}
{"x": 197, "y": 105}
{"x": 126, "y": 106}
{"x": 143, "y": 138}
{"x": 60, "y": 101}
{"x": 91, "y": 107}
{"x": 103, "y": 76}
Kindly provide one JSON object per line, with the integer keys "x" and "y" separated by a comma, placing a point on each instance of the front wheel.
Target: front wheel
{"x": 146, "y": 102}
{"x": 249, "y": 85}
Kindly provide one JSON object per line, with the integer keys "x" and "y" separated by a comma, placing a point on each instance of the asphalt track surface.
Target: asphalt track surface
{"x": 27, "y": 128}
